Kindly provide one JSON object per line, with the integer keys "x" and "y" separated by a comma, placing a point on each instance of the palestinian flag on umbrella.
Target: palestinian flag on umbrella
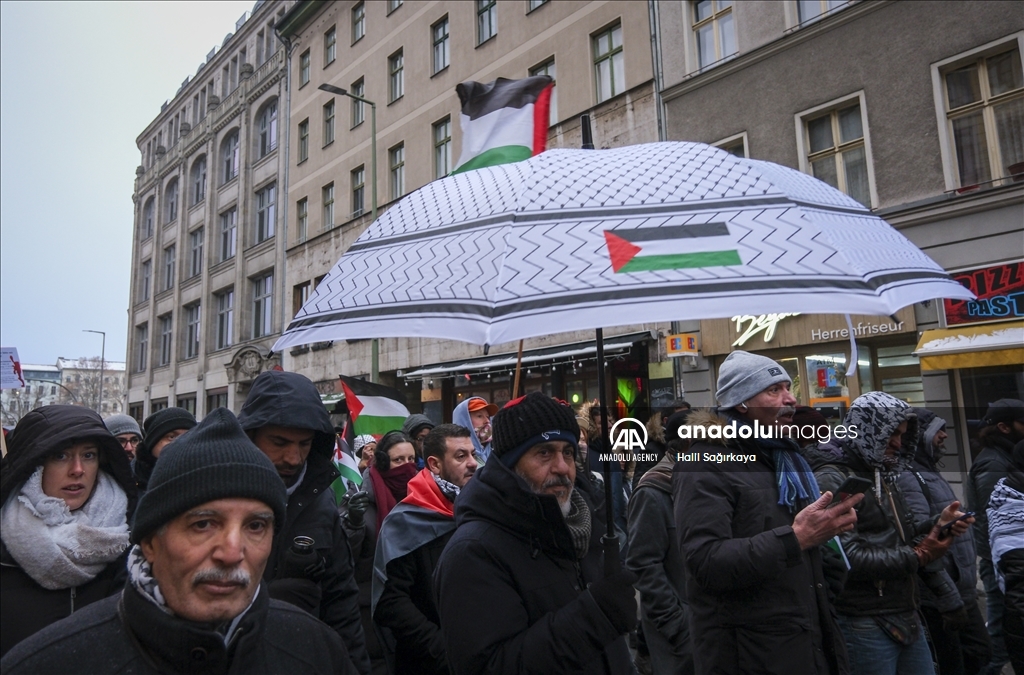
{"x": 503, "y": 121}
{"x": 671, "y": 247}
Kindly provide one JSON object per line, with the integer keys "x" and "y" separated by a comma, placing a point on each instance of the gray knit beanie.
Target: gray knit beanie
{"x": 122, "y": 424}
{"x": 215, "y": 460}
{"x": 744, "y": 375}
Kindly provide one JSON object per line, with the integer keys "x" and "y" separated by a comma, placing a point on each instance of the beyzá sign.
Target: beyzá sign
{"x": 1000, "y": 291}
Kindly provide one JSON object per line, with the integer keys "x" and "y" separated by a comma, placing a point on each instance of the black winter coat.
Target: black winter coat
{"x": 128, "y": 634}
{"x": 27, "y": 607}
{"x": 758, "y": 602}
{"x": 991, "y": 464}
{"x": 510, "y": 590}
{"x": 287, "y": 399}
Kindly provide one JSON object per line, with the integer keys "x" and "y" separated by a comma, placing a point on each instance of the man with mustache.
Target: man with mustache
{"x": 194, "y": 601}
{"x": 749, "y": 522}
{"x": 520, "y": 586}
{"x": 284, "y": 416}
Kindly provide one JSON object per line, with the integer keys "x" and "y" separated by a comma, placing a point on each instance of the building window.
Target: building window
{"x": 534, "y": 4}
{"x": 327, "y": 192}
{"x": 330, "y": 46}
{"x": 262, "y": 305}
{"x": 199, "y": 180}
{"x": 195, "y": 252}
{"x": 302, "y": 218}
{"x": 358, "y": 109}
{"x": 608, "y": 63}
{"x": 156, "y": 405}
{"x": 147, "y": 218}
{"x": 192, "y": 330}
{"x": 395, "y": 77}
{"x": 268, "y": 129}
{"x": 443, "y": 148}
{"x": 548, "y": 68}
{"x": 809, "y": 10}
{"x": 300, "y": 294}
{"x": 141, "y": 347}
{"x": 216, "y": 399}
{"x": 734, "y": 145}
{"x": 169, "y": 255}
{"x": 715, "y": 31}
{"x": 303, "y": 140}
{"x": 329, "y": 123}
{"x": 229, "y": 155}
{"x": 187, "y": 402}
{"x": 166, "y": 339}
{"x": 146, "y": 275}
{"x": 225, "y": 318}
{"x": 396, "y": 160}
{"x": 984, "y": 102}
{"x": 358, "y": 22}
{"x": 265, "y": 212}
{"x": 358, "y": 192}
{"x": 439, "y": 35}
{"x": 171, "y": 196}
{"x": 304, "y": 61}
{"x": 228, "y": 230}
{"x": 486, "y": 20}
{"x": 393, "y": 5}
{"x": 835, "y": 150}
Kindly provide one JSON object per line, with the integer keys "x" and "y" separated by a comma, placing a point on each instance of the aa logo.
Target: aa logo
{"x": 629, "y": 435}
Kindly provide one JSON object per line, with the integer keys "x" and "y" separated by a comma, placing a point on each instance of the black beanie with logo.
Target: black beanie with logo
{"x": 529, "y": 420}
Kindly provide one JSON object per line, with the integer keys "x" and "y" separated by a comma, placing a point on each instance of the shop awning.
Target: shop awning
{"x": 612, "y": 344}
{"x": 997, "y": 344}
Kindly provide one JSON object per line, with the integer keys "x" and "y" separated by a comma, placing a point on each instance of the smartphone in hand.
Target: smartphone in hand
{"x": 854, "y": 485}
{"x": 947, "y": 528}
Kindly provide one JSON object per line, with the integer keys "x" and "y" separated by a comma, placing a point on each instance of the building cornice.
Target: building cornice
{"x": 296, "y": 18}
{"x": 950, "y": 205}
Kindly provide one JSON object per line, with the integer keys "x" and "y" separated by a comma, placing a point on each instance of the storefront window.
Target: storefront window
{"x": 899, "y": 372}
{"x": 792, "y": 367}
{"x": 827, "y": 388}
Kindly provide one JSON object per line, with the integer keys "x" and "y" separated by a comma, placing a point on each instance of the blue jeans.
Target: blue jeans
{"x": 873, "y": 652}
{"x": 995, "y": 607}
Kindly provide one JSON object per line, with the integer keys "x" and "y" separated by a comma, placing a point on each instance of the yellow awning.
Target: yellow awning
{"x": 995, "y": 344}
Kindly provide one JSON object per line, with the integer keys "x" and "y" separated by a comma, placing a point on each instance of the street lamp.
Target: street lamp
{"x": 331, "y": 89}
{"x": 103, "y": 360}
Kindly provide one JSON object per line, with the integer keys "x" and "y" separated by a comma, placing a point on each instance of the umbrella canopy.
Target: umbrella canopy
{"x": 578, "y": 239}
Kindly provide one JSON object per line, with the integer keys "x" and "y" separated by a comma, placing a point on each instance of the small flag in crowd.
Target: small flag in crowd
{"x": 373, "y": 409}
{"x": 671, "y": 247}
{"x": 503, "y": 121}
{"x": 347, "y": 466}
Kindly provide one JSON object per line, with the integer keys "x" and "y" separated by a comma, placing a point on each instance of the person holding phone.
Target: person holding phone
{"x": 889, "y": 546}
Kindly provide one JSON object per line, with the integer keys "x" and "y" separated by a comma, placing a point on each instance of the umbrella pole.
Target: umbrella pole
{"x": 608, "y": 540}
{"x": 519, "y": 368}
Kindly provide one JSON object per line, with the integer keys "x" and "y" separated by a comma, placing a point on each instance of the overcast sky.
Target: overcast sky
{"x": 79, "y": 81}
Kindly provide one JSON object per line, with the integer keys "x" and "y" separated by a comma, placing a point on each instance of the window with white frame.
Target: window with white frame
{"x": 265, "y": 212}
{"x": 393, "y": 5}
{"x": 714, "y": 30}
{"x": 439, "y": 38}
{"x": 229, "y": 156}
{"x": 148, "y": 213}
{"x": 358, "y": 192}
{"x": 835, "y": 150}
{"x": 609, "y": 68}
{"x": 358, "y": 22}
{"x": 327, "y": 196}
{"x": 548, "y": 68}
{"x": 262, "y": 305}
{"x": 330, "y": 46}
{"x": 329, "y": 123}
{"x": 358, "y": 109}
{"x": 811, "y": 10}
{"x": 169, "y": 262}
{"x": 228, "y": 233}
{"x": 171, "y": 197}
{"x": 304, "y": 67}
{"x": 396, "y": 76}
{"x": 193, "y": 314}
{"x": 166, "y": 339}
{"x": 303, "y": 140}
{"x": 534, "y": 4}
{"x": 300, "y": 294}
{"x": 145, "y": 278}
{"x": 301, "y": 219}
{"x": 225, "y": 303}
{"x": 199, "y": 180}
{"x": 195, "y": 252}
{"x": 141, "y": 347}
{"x": 268, "y": 128}
{"x": 734, "y": 145}
{"x": 486, "y": 20}
{"x": 396, "y": 160}
{"x": 443, "y": 147}
{"x": 983, "y": 97}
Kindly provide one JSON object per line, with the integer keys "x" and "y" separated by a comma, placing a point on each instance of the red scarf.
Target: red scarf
{"x": 424, "y": 492}
{"x": 390, "y": 486}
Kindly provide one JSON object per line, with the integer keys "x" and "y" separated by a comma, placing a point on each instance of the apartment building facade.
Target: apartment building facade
{"x": 208, "y": 250}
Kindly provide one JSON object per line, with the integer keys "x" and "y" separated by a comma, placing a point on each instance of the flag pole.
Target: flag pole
{"x": 519, "y": 367}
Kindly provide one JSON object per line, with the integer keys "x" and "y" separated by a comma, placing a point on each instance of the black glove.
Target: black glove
{"x": 834, "y": 569}
{"x": 308, "y": 565}
{"x": 955, "y": 621}
{"x": 357, "y": 503}
{"x": 617, "y": 599}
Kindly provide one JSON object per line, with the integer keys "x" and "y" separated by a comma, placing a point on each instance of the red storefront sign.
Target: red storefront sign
{"x": 1000, "y": 291}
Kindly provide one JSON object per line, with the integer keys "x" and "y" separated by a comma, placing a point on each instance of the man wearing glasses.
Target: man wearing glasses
{"x": 127, "y": 432}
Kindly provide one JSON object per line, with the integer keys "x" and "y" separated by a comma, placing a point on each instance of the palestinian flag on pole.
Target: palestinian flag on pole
{"x": 373, "y": 409}
{"x": 671, "y": 248}
{"x": 503, "y": 121}
{"x": 347, "y": 465}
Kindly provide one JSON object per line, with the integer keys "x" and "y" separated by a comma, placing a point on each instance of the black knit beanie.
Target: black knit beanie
{"x": 158, "y": 425}
{"x": 529, "y": 420}
{"x": 215, "y": 460}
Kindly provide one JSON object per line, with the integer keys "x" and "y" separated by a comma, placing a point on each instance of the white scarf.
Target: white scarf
{"x": 60, "y": 548}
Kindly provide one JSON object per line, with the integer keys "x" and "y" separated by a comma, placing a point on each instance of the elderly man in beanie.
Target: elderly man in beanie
{"x": 127, "y": 432}
{"x": 161, "y": 428}
{"x": 1001, "y": 428}
{"x": 519, "y": 586}
{"x": 194, "y": 601}
{"x": 286, "y": 419}
{"x": 750, "y": 520}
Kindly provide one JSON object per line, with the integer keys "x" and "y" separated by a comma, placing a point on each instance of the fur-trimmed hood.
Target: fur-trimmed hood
{"x": 876, "y": 415}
